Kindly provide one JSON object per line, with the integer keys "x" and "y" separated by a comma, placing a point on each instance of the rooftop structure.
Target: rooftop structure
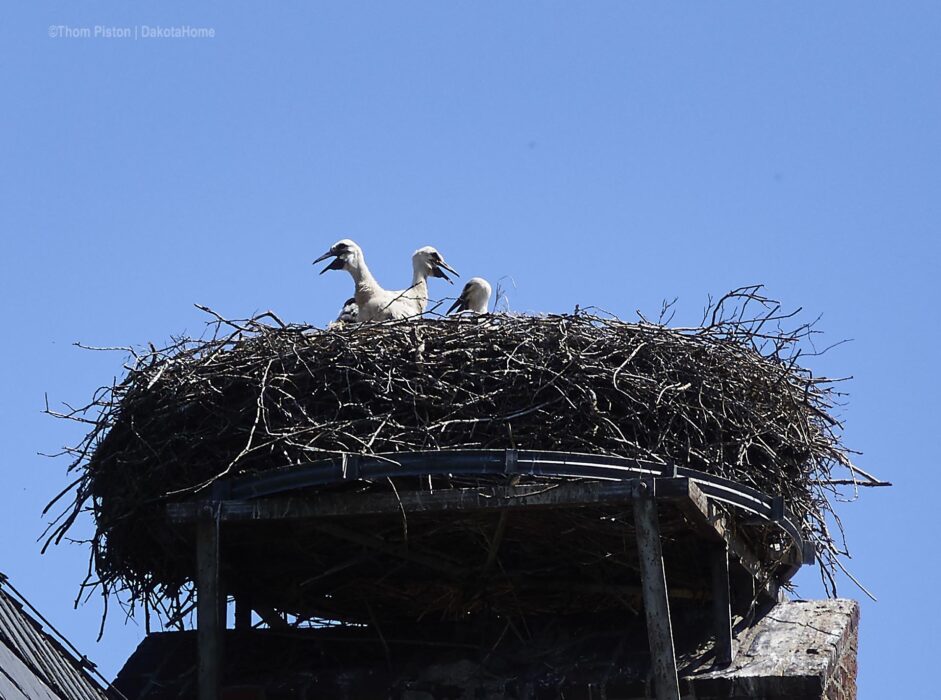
{"x": 34, "y": 664}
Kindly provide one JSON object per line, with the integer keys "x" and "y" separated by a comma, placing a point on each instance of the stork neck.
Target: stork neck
{"x": 362, "y": 277}
{"x": 419, "y": 288}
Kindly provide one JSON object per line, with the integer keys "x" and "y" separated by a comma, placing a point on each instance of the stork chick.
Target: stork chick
{"x": 426, "y": 262}
{"x": 348, "y": 314}
{"x": 375, "y": 303}
{"x": 474, "y": 297}
{"x": 349, "y": 256}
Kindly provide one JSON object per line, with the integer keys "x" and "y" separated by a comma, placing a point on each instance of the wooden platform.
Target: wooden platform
{"x": 513, "y": 546}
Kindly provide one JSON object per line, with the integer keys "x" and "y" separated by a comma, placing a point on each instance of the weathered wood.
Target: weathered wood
{"x": 210, "y": 621}
{"x": 468, "y": 499}
{"x": 709, "y": 522}
{"x": 654, "y": 586}
{"x": 721, "y": 605}
{"x": 701, "y": 514}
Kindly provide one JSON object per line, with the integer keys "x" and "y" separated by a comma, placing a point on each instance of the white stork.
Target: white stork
{"x": 375, "y": 303}
{"x": 474, "y": 297}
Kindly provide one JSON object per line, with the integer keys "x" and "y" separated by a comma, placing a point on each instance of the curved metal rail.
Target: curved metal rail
{"x": 469, "y": 463}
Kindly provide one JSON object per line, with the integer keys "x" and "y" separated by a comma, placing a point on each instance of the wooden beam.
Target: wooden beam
{"x": 654, "y": 587}
{"x": 711, "y": 524}
{"x": 467, "y": 499}
{"x": 210, "y": 622}
{"x": 721, "y": 605}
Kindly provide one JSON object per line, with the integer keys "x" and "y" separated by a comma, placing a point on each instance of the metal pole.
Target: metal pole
{"x": 209, "y": 619}
{"x": 654, "y": 586}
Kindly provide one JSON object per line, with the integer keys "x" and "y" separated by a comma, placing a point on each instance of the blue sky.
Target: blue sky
{"x": 610, "y": 154}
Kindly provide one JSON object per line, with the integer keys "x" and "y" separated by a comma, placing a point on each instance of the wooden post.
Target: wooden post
{"x": 209, "y": 619}
{"x": 243, "y": 611}
{"x": 721, "y": 605}
{"x": 654, "y": 586}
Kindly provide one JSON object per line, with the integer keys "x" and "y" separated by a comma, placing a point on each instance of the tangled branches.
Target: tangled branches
{"x": 726, "y": 397}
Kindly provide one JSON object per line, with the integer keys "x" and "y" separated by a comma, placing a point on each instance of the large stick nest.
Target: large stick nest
{"x": 726, "y": 397}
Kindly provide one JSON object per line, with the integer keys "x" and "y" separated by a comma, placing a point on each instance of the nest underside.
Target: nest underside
{"x": 725, "y": 398}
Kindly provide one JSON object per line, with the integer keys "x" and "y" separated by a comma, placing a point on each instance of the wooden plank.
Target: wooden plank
{"x": 210, "y": 623}
{"x": 467, "y": 499}
{"x": 694, "y": 504}
{"x": 721, "y": 605}
{"x": 709, "y": 522}
{"x": 702, "y": 515}
{"x": 654, "y": 588}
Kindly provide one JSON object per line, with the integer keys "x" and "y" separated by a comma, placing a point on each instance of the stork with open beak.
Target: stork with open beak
{"x": 474, "y": 297}
{"x": 426, "y": 262}
{"x": 375, "y": 303}
{"x": 349, "y": 256}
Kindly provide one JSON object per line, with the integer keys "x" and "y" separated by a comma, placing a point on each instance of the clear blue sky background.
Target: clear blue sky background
{"x": 607, "y": 153}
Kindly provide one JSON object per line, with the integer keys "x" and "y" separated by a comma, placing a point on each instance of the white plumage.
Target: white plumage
{"x": 375, "y": 303}
{"x": 474, "y": 297}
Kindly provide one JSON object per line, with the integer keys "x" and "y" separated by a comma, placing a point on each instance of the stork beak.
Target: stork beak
{"x": 456, "y": 304}
{"x": 337, "y": 263}
{"x": 436, "y": 271}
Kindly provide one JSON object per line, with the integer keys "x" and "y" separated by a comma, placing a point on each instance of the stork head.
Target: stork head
{"x": 474, "y": 297}
{"x": 428, "y": 262}
{"x": 344, "y": 252}
{"x": 350, "y": 311}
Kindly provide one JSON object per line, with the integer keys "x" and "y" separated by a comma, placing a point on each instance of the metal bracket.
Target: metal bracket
{"x": 809, "y": 553}
{"x": 511, "y": 462}
{"x": 777, "y": 509}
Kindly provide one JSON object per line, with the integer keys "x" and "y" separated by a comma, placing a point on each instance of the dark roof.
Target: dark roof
{"x": 33, "y": 665}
